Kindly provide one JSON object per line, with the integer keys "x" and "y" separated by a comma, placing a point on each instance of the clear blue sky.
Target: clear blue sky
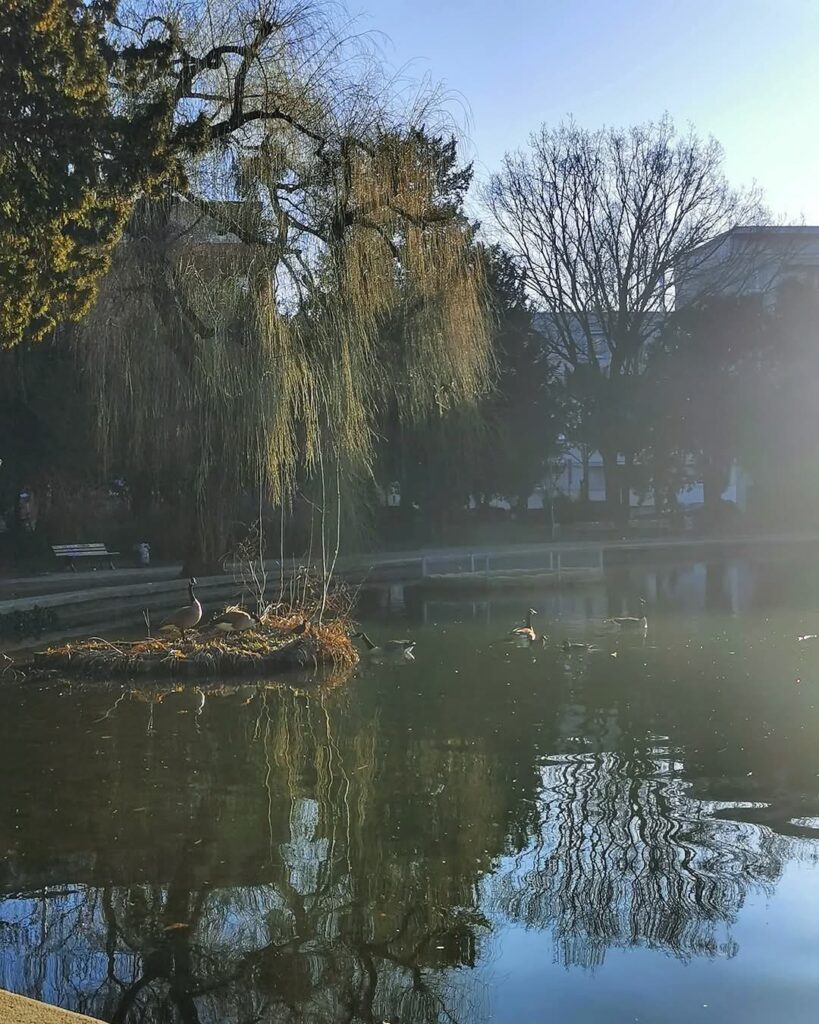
{"x": 745, "y": 71}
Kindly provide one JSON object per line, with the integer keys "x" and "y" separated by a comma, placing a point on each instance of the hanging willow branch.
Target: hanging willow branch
{"x": 276, "y": 311}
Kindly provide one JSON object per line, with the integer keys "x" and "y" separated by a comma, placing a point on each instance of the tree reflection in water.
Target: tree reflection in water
{"x": 345, "y": 855}
{"x": 298, "y": 914}
{"x": 624, "y": 857}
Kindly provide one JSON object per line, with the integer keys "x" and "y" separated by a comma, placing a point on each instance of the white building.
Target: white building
{"x": 748, "y": 261}
{"x": 587, "y": 339}
{"x": 742, "y": 261}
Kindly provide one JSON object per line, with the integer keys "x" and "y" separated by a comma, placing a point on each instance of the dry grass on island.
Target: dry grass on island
{"x": 279, "y": 642}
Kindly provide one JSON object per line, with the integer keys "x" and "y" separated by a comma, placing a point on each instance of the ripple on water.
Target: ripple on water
{"x": 807, "y": 822}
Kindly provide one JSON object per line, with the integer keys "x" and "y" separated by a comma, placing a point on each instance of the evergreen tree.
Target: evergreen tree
{"x": 523, "y": 411}
{"x": 69, "y": 163}
{"x": 498, "y": 447}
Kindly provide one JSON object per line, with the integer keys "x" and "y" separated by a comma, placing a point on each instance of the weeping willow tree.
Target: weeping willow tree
{"x": 254, "y": 328}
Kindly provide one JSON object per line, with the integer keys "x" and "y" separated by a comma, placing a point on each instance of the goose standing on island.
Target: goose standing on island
{"x": 187, "y": 617}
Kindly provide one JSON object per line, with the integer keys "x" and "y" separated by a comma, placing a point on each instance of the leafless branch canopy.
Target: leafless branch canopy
{"x": 234, "y": 66}
{"x": 600, "y": 219}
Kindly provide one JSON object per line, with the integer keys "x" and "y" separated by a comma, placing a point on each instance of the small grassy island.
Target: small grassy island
{"x": 275, "y": 644}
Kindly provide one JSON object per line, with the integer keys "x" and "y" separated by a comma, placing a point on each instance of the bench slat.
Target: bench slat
{"x": 79, "y": 548}
{"x": 86, "y": 554}
{"x": 89, "y": 551}
{"x": 72, "y": 551}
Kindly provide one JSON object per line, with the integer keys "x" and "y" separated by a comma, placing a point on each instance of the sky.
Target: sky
{"x": 744, "y": 71}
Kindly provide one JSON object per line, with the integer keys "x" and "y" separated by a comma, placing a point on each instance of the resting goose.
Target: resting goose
{"x": 235, "y": 620}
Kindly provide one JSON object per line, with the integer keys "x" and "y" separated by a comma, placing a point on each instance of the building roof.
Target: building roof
{"x": 760, "y": 231}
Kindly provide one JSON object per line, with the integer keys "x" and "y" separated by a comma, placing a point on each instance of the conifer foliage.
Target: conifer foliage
{"x": 69, "y": 164}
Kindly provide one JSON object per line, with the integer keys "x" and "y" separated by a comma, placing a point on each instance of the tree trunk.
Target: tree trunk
{"x": 663, "y": 486}
{"x": 617, "y": 512}
{"x": 208, "y": 538}
{"x": 627, "y": 477}
{"x": 584, "y": 479}
{"x": 714, "y": 479}
{"x": 142, "y": 500}
{"x": 196, "y": 561}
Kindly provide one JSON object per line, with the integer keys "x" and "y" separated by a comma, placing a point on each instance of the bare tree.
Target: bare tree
{"x": 599, "y": 220}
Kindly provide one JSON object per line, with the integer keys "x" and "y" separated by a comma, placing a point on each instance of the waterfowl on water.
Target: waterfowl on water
{"x": 631, "y": 621}
{"x": 235, "y": 620}
{"x": 575, "y": 645}
{"x": 526, "y": 632}
{"x": 402, "y": 648}
{"x": 187, "y": 617}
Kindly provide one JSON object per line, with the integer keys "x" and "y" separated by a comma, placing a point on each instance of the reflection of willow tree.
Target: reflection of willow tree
{"x": 282, "y": 902}
{"x": 626, "y": 857}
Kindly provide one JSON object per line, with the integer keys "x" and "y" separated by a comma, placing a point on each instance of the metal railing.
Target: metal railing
{"x": 556, "y": 561}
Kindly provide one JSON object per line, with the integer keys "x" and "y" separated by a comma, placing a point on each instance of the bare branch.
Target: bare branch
{"x": 602, "y": 220}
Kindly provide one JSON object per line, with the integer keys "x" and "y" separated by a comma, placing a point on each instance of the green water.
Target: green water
{"x": 488, "y": 833}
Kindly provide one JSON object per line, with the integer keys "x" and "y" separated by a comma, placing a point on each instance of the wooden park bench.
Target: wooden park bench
{"x": 73, "y": 551}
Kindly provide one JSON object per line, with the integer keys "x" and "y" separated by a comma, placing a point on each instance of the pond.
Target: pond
{"x": 487, "y": 833}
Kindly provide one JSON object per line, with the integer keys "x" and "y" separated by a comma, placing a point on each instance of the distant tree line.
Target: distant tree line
{"x": 369, "y": 333}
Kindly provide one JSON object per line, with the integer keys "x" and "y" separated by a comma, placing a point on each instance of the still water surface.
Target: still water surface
{"x": 485, "y": 834}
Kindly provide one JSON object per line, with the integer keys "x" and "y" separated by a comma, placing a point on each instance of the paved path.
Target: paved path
{"x": 18, "y": 1010}
{"x": 374, "y": 566}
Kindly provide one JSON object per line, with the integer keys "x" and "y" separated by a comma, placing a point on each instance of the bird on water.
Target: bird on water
{"x": 400, "y": 648}
{"x": 575, "y": 645}
{"x": 632, "y": 621}
{"x": 526, "y": 632}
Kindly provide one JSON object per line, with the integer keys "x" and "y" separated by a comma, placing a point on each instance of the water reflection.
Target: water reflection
{"x": 265, "y": 874}
{"x": 356, "y": 853}
{"x": 624, "y": 858}
{"x": 718, "y": 584}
